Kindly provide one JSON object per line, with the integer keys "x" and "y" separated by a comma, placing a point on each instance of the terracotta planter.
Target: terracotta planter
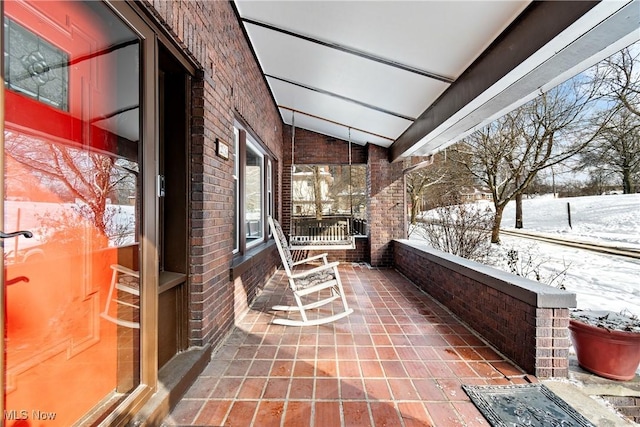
{"x": 610, "y": 354}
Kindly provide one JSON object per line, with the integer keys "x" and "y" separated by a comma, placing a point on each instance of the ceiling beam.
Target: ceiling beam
{"x": 536, "y": 26}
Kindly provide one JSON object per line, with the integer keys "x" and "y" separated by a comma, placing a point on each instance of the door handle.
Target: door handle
{"x": 26, "y": 234}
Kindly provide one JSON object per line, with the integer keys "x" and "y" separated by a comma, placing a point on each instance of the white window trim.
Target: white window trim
{"x": 236, "y": 189}
{"x": 255, "y": 147}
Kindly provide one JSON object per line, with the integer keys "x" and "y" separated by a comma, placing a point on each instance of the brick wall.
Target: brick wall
{"x": 386, "y": 216}
{"x": 311, "y": 148}
{"x": 248, "y": 285}
{"x": 525, "y": 320}
{"x": 229, "y": 84}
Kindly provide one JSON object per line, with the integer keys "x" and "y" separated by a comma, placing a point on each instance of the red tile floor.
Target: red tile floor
{"x": 399, "y": 360}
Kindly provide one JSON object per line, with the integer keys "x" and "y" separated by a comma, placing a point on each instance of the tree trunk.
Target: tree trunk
{"x": 415, "y": 208}
{"x": 497, "y": 219}
{"x": 627, "y": 187}
{"x": 519, "y": 210}
{"x": 317, "y": 192}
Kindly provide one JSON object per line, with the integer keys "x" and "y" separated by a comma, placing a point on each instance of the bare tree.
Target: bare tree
{"x": 88, "y": 178}
{"x": 458, "y": 228}
{"x": 348, "y": 188}
{"x": 434, "y": 182}
{"x": 616, "y": 152}
{"x": 618, "y": 78}
{"x": 334, "y": 189}
{"x": 417, "y": 183}
{"x": 310, "y": 189}
{"x": 507, "y": 154}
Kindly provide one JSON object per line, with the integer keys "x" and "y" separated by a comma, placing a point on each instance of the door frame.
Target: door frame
{"x": 152, "y": 35}
{"x": 149, "y": 226}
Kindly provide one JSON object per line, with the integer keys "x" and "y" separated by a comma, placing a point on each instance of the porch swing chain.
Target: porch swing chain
{"x": 293, "y": 138}
{"x": 350, "y": 189}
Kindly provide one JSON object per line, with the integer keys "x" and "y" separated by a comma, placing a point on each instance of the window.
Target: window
{"x": 253, "y": 193}
{"x": 325, "y": 190}
{"x": 236, "y": 188}
{"x": 253, "y": 186}
{"x": 323, "y": 194}
{"x": 269, "y": 190}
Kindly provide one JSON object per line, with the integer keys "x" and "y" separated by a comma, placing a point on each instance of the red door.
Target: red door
{"x": 71, "y": 126}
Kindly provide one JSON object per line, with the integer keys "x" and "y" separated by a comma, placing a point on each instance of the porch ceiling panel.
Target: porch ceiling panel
{"x": 337, "y": 111}
{"x": 347, "y": 76}
{"x": 442, "y": 37}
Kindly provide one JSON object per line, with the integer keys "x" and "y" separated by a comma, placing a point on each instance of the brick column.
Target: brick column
{"x": 386, "y": 212}
{"x": 552, "y": 342}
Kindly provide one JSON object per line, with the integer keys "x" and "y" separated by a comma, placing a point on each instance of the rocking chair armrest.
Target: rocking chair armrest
{"x": 125, "y": 270}
{"x": 311, "y": 258}
{"x": 306, "y": 273}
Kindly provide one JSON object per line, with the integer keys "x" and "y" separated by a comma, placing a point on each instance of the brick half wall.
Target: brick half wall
{"x": 525, "y": 320}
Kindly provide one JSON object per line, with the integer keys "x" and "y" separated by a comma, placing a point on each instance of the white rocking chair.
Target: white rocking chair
{"x": 307, "y": 282}
{"x": 126, "y": 280}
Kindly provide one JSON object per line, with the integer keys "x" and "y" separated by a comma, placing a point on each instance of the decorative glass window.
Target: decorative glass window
{"x": 35, "y": 67}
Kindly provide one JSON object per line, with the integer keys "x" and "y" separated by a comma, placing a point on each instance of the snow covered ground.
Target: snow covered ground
{"x": 610, "y": 218}
{"x": 600, "y": 281}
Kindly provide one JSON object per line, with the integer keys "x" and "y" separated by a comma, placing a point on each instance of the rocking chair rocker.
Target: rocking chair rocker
{"x": 307, "y": 282}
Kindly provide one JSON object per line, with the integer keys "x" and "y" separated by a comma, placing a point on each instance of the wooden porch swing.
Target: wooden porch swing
{"x": 328, "y": 232}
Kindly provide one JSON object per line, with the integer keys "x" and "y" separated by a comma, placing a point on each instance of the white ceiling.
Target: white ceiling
{"x": 367, "y": 70}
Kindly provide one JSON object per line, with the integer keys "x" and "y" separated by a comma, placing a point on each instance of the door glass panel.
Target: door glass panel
{"x": 71, "y": 154}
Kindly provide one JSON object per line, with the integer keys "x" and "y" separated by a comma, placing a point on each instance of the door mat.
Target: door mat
{"x": 524, "y": 405}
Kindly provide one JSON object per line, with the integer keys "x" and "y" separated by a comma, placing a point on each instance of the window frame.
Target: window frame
{"x": 269, "y": 192}
{"x": 252, "y": 147}
{"x": 245, "y": 140}
{"x": 236, "y": 189}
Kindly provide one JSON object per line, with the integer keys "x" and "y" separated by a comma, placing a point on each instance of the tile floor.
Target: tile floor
{"x": 399, "y": 360}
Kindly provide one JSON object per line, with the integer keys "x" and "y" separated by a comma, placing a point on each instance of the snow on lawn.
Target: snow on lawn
{"x": 600, "y": 281}
{"x": 611, "y": 218}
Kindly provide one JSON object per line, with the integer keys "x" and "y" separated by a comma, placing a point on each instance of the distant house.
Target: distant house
{"x": 304, "y": 196}
{"x": 475, "y": 194}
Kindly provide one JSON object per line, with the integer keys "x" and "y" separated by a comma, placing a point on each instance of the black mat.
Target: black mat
{"x": 530, "y": 405}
